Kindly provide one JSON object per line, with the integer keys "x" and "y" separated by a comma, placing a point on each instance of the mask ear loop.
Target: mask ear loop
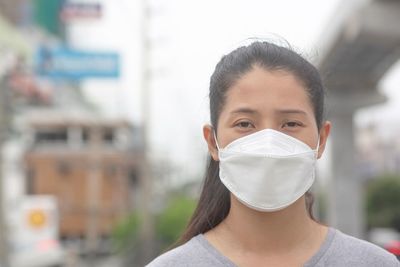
{"x": 215, "y": 139}
{"x": 316, "y": 150}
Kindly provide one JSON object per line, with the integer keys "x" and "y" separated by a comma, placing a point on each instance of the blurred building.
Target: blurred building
{"x": 12, "y": 10}
{"x": 56, "y": 142}
{"x": 12, "y": 45}
{"x": 41, "y": 13}
{"x": 90, "y": 165}
{"x": 377, "y": 154}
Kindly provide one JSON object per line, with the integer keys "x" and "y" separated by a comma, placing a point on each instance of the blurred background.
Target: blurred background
{"x": 102, "y": 103}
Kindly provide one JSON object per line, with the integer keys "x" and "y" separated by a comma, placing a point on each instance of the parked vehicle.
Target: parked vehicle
{"x": 394, "y": 247}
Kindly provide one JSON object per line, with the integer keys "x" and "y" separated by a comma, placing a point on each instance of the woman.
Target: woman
{"x": 267, "y": 131}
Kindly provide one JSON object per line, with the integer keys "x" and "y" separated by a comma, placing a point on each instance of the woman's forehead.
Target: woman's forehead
{"x": 261, "y": 89}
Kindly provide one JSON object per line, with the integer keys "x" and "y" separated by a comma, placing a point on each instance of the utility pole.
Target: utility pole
{"x": 93, "y": 187}
{"x": 147, "y": 222}
{"x": 4, "y": 123}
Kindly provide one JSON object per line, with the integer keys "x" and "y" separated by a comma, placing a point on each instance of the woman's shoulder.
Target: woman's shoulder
{"x": 353, "y": 250}
{"x": 195, "y": 252}
{"x": 179, "y": 256}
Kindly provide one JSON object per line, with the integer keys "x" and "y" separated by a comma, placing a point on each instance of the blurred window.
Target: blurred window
{"x": 30, "y": 181}
{"x": 108, "y": 136}
{"x": 85, "y": 135}
{"x": 133, "y": 177}
{"x": 64, "y": 169}
{"x": 49, "y": 136}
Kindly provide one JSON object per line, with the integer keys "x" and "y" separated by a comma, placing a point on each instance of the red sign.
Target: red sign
{"x": 80, "y": 11}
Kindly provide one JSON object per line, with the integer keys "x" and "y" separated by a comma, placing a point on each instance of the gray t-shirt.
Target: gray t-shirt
{"x": 338, "y": 250}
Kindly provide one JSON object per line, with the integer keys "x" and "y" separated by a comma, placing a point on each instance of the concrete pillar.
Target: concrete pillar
{"x": 346, "y": 210}
{"x": 74, "y": 137}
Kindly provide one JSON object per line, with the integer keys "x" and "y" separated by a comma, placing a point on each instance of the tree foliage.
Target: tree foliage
{"x": 171, "y": 223}
{"x": 126, "y": 232}
{"x": 383, "y": 202}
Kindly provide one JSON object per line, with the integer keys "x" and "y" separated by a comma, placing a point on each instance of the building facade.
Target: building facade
{"x": 91, "y": 166}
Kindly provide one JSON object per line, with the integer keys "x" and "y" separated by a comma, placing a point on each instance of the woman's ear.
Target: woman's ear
{"x": 323, "y": 137}
{"x": 208, "y": 133}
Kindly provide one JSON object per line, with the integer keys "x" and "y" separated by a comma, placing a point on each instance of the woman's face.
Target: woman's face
{"x": 264, "y": 99}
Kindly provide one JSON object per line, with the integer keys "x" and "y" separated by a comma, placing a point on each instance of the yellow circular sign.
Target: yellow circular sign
{"x": 37, "y": 218}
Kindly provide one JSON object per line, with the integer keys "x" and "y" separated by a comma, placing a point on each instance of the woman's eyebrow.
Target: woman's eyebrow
{"x": 244, "y": 110}
{"x": 291, "y": 111}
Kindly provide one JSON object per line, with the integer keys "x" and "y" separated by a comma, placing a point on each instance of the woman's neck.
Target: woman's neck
{"x": 285, "y": 232}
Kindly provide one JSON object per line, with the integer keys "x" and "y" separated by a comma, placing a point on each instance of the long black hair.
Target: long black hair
{"x": 214, "y": 202}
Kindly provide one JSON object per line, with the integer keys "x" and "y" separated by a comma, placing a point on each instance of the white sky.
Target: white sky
{"x": 189, "y": 37}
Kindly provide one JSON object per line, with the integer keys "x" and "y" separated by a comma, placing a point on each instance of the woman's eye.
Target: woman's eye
{"x": 244, "y": 124}
{"x": 291, "y": 124}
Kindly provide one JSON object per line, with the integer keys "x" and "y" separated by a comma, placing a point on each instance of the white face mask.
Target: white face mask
{"x": 267, "y": 170}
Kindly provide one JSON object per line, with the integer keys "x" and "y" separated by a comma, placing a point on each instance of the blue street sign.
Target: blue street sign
{"x": 64, "y": 63}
